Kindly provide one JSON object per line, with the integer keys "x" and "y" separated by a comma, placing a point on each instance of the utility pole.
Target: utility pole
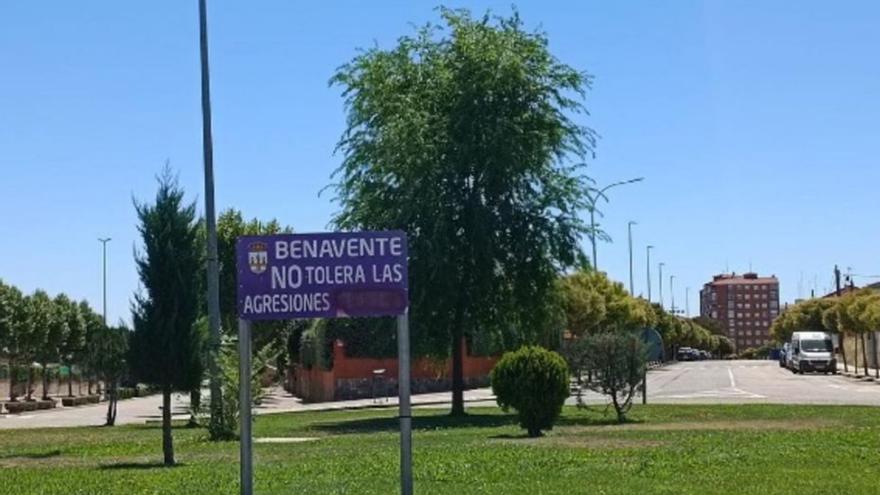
{"x": 104, "y": 242}
{"x": 213, "y": 275}
{"x": 672, "y": 291}
{"x": 629, "y": 230}
{"x": 837, "y": 293}
{"x": 648, "y": 267}
{"x": 660, "y": 282}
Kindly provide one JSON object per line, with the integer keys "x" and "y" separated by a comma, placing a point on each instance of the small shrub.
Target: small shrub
{"x": 615, "y": 363}
{"x": 534, "y": 382}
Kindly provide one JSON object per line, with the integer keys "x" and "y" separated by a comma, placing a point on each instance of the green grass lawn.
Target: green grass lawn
{"x": 667, "y": 449}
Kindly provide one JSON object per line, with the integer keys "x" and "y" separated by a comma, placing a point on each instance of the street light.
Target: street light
{"x": 630, "y": 236}
{"x": 672, "y": 291}
{"x": 660, "y": 282}
{"x": 104, "y": 242}
{"x": 687, "y": 301}
{"x": 600, "y": 193}
{"x": 648, "y": 267}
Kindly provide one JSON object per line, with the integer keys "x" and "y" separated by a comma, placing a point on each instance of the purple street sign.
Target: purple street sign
{"x": 329, "y": 275}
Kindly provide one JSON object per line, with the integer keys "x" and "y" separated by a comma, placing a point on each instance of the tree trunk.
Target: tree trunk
{"x": 167, "y": 440}
{"x": 111, "y": 404}
{"x": 864, "y": 353}
{"x": 69, "y": 380}
{"x": 13, "y": 373}
{"x": 876, "y": 360}
{"x": 457, "y": 373}
{"x": 195, "y": 402}
{"x": 843, "y": 353}
{"x": 29, "y": 391}
{"x": 45, "y": 381}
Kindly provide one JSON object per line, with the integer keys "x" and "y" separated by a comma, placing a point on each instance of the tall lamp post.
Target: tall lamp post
{"x": 212, "y": 264}
{"x": 592, "y": 198}
{"x": 687, "y": 301}
{"x": 104, "y": 242}
{"x": 648, "y": 267}
{"x": 629, "y": 231}
{"x": 672, "y": 292}
{"x": 660, "y": 281}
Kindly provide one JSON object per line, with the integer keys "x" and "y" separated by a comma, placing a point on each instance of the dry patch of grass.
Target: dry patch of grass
{"x": 585, "y": 442}
{"x": 724, "y": 425}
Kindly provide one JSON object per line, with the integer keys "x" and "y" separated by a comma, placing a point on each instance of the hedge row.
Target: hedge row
{"x": 80, "y": 401}
{"x": 27, "y": 406}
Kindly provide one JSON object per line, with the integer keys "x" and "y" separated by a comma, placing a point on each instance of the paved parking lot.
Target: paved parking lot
{"x": 754, "y": 381}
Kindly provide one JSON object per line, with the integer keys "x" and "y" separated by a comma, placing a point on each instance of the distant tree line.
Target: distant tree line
{"x": 38, "y": 329}
{"x": 853, "y": 315}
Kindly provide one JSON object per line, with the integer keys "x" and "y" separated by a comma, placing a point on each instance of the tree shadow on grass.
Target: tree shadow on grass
{"x": 33, "y": 455}
{"x": 604, "y": 420}
{"x": 437, "y": 422}
{"x": 138, "y": 465}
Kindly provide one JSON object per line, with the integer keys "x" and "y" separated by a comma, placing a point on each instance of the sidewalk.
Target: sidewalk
{"x": 147, "y": 409}
{"x": 280, "y": 401}
{"x": 858, "y": 373}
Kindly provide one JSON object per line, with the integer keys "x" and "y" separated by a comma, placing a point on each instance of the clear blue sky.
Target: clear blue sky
{"x": 754, "y": 123}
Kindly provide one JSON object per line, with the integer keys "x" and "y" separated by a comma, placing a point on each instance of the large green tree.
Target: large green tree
{"x": 463, "y": 136}
{"x": 56, "y": 333}
{"x": 38, "y": 314}
{"x": 94, "y": 324}
{"x": 165, "y": 344}
{"x": 71, "y": 349}
{"x": 14, "y": 330}
{"x": 593, "y": 303}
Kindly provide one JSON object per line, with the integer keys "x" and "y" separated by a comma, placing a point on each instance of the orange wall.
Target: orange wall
{"x": 348, "y": 367}
{"x": 317, "y": 385}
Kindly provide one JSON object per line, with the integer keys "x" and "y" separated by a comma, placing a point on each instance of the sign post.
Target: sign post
{"x": 405, "y": 408}
{"x": 328, "y": 275}
{"x": 244, "y": 400}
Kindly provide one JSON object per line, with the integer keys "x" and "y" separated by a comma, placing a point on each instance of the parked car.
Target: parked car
{"x": 689, "y": 354}
{"x": 784, "y": 355}
{"x": 812, "y": 351}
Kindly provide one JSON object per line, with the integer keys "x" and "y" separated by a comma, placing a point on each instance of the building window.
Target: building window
{"x": 774, "y": 313}
{"x": 748, "y": 296}
{"x": 774, "y": 305}
{"x": 714, "y": 316}
{"x": 730, "y": 313}
{"x": 739, "y": 315}
{"x": 748, "y": 306}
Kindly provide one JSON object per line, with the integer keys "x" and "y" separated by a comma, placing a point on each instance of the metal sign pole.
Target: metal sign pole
{"x": 403, "y": 389}
{"x": 244, "y": 392}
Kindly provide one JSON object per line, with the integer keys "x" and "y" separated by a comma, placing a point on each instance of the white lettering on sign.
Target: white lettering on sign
{"x": 284, "y": 303}
{"x": 286, "y": 276}
{"x": 338, "y": 248}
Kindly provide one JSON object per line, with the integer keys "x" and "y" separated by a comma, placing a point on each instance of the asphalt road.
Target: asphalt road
{"x": 702, "y": 382}
{"x": 731, "y": 382}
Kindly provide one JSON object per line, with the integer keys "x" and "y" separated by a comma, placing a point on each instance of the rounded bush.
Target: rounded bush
{"x": 534, "y": 382}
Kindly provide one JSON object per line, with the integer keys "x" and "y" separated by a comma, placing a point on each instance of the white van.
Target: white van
{"x": 812, "y": 351}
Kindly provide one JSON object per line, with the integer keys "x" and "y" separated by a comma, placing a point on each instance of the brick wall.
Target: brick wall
{"x": 358, "y": 378}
